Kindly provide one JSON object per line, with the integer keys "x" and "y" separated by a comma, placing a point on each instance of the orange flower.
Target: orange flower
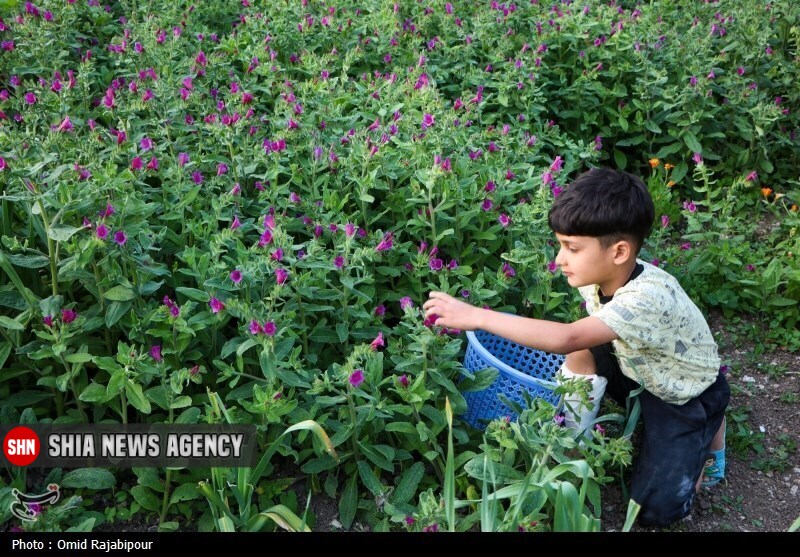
{"x": 794, "y": 208}
{"x": 668, "y": 166}
{"x": 654, "y": 163}
{"x": 766, "y": 191}
{"x": 670, "y": 184}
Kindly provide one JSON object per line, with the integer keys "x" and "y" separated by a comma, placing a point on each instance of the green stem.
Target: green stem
{"x": 51, "y": 249}
{"x": 352, "y": 406}
{"x": 74, "y": 389}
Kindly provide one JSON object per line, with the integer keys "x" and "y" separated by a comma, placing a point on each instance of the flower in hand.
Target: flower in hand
{"x": 451, "y": 312}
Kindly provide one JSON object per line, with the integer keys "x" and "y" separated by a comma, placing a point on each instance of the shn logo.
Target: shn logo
{"x": 29, "y": 507}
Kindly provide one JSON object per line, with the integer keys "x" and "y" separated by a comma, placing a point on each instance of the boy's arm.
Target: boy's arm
{"x": 549, "y": 336}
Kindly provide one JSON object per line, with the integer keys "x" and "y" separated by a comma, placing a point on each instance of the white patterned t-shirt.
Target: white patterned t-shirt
{"x": 664, "y": 342}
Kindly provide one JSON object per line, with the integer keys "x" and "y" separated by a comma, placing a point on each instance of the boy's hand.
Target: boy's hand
{"x": 452, "y": 313}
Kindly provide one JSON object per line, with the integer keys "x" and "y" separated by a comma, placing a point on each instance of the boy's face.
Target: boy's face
{"x": 584, "y": 261}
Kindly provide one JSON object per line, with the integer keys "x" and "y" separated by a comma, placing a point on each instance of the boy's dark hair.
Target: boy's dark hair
{"x": 607, "y": 204}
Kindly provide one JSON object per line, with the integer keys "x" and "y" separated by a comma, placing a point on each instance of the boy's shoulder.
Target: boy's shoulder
{"x": 652, "y": 282}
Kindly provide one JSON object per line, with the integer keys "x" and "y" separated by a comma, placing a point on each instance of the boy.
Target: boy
{"x": 642, "y": 329}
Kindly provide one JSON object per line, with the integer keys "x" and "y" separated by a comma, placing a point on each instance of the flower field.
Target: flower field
{"x": 231, "y": 212}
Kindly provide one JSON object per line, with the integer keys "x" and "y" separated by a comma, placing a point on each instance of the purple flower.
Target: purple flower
{"x": 752, "y": 177}
{"x": 664, "y": 221}
{"x": 559, "y": 418}
{"x": 136, "y": 163}
{"x": 197, "y": 177}
{"x": 236, "y": 222}
{"x": 30, "y": 98}
{"x": 406, "y": 303}
{"x": 216, "y": 305}
{"x": 155, "y": 352}
{"x": 508, "y": 270}
{"x": 403, "y": 380}
{"x": 356, "y": 378}
{"x": 68, "y": 316}
{"x": 428, "y": 120}
{"x": 386, "y": 243}
{"x": 349, "y": 230}
{"x": 600, "y": 429}
{"x": 222, "y": 168}
{"x": 236, "y": 276}
{"x": 697, "y": 158}
{"x": 690, "y": 206}
{"x": 338, "y": 261}
{"x": 686, "y": 246}
{"x": 101, "y": 231}
{"x": 378, "y": 342}
{"x": 146, "y": 144}
{"x": 255, "y": 327}
{"x": 487, "y": 205}
{"x": 552, "y": 267}
{"x": 281, "y": 275}
{"x": 436, "y": 264}
{"x": 269, "y": 328}
{"x": 558, "y": 163}
{"x": 120, "y": 237}
{"x": 380, "y": 310}
{"x": 504, "y": 220}
{"x": 48, "y": 320}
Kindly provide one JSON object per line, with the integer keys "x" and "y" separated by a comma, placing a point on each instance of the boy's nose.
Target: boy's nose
{"x": 559, "y": 261}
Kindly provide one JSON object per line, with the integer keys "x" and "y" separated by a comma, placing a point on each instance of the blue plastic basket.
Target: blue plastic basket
{"x": 521, "y": 369}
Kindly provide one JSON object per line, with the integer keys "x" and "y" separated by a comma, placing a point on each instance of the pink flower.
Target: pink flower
{"x": 236, "y": 222}
{"x": 386, "y": 243}
{"x": 406, "y": 303}
{"x": 557, "y": 164}
{"x": 752, "y": 177}
{"x": 136, "y": 163}
{"x": 68, "y": 316}
{"x": 697, "y": 158}
{"x": 349, "y": 230}
{"x": 236, "y": 276}
{"x": 255, "y": 327}
{"x": 281, "y": 275}
{"x": 690, "y": 206}
{"x": 378, "y": 342}
{"x": 155, "y": 352}
{"x": 504, "y": 220}
{"x": 269, "y": 328}
{"x": 120, "y": 237}
{"x": 686, "y": 246}
{"x": 216, "y": 305}
{"x": 664, "y": 221}
{"x": 30, "y": 98}
{"x": 356, "y": 378}
{"x": 146, "y": 144}
{"x": 552, "y": 267}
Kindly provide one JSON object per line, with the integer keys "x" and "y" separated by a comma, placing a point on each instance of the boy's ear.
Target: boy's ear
{"x": 623, "y": 251}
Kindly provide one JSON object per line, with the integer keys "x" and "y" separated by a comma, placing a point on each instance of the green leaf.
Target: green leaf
{"x": 620, "y": 159}
{"x": 342, "y": 331}
{"x": 5, "y": 350}
{"x": 89, "y": 478}
{"x": 11, "y": 324}
{"x": 348, "y": 504}
{"x": 62, "y": 232}
{"x": 369, "y": 478}
{"x": 94, "y": 392}
{"x": 482, "y": 380}
{"x": 184, "y": 492}
{"x": 194, "y": 294}
{"x": 136, "y": 397}
{"x": 25, "y": 399}
{"x": 146, "y": 498}
{"x": 120, "y": 294}
{"x": 692, "y": 143}
{"x": 409, "y": 482}
{"x": 116, "y": 383}
{"x": 79, "y": 358}
{"x": 115, "y": 311}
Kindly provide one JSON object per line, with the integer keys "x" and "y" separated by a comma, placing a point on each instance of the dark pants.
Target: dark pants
{"x": 676, "y": 440}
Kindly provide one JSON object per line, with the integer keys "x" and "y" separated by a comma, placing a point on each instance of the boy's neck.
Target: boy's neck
{"x": 618, "y": 280}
